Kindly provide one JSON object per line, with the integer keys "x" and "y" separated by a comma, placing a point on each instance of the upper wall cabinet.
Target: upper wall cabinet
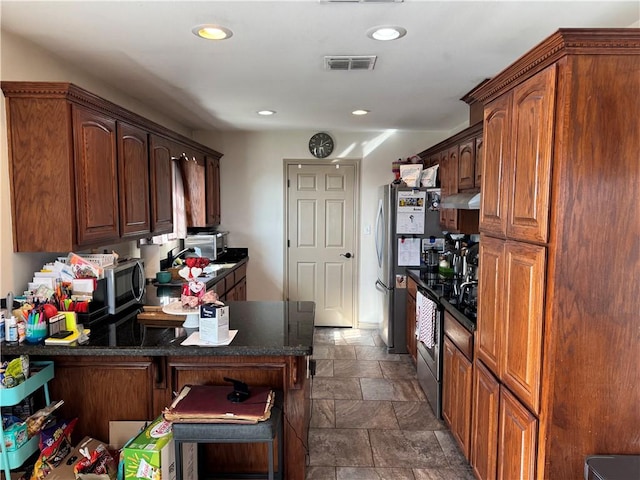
{"x": 201, "y": 179}
{"x": 161, "y": 184}
{"x": 133, "y": 180}
{"x": 85, "y": 172}
{"x": 460, "y": 164}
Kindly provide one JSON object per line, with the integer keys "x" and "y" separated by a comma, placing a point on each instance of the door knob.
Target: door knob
{"x": 347, "y": 255}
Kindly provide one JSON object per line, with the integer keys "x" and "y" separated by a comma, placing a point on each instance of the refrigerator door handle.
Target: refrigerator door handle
{"x": 382, "y": 286}
{"x": 379, "y": 235}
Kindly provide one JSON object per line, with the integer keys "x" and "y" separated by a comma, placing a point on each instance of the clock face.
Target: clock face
{"x": 321, "y": 145}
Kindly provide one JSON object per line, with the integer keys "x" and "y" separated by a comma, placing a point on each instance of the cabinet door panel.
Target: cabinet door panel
{"x": 96, "y": 176}
{"x": 462, "y": 408}
{"x": 161, "y": 185}
{"x": 448, "y": 381}
{"x": 517, "y": 439}
{"x": 109, "y": 390}
{"x": 193, "y": 179}
{"x": 479, "y": 162}
{"x": 466, "y": 165}
{"x": 521, "y": 361}
{"x": 490, "y": 298}
{"x": 484, "y": 428}
{"x": 133, "y": 171}
{"x": 532, "y": 134}
{"x": 493, "y": 211}
{"x": 212, "y": 171}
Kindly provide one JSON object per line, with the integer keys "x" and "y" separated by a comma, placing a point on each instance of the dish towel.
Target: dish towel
{"x": 426, "y": 311}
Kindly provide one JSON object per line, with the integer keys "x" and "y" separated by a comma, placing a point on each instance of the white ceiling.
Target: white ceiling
{"x": 274, "y": 60}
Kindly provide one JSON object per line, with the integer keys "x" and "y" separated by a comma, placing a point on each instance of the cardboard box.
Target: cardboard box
{"x": 214, "y": 323}
{"x": 64, "y": 471}
{"x": 152, "y": 452}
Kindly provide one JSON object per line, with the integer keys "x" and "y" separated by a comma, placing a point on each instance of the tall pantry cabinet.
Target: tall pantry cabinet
{"x": 556, "y": 375}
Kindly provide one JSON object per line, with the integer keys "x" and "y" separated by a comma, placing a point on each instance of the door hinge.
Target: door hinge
{"x": 288, "y": 183}
{"x": 288, "y": 243}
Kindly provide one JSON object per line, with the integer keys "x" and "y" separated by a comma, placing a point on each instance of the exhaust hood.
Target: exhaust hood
{"x": 463, "y": 201}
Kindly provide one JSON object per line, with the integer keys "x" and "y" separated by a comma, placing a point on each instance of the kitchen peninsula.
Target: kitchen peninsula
{"x": 127, "y": 372}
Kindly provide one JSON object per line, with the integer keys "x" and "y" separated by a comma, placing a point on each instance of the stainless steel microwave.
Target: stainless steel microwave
{"x": 125, "y": 285}
{"x": 211, "y": 245}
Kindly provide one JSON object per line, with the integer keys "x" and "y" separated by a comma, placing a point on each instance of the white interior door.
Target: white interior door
{"x": 321, "y": 226}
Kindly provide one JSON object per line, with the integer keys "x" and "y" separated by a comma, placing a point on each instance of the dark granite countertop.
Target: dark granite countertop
{"x": 442, "y": 289}
{"x": 264, "y": 328}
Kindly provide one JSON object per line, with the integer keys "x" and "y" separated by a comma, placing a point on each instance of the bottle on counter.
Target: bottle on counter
{"x": 11, "y": 330}
{"x": 2, "y": 324}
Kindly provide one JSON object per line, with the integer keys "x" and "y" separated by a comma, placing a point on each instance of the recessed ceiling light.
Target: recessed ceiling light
{"x": 360, "y": 112}
{"x": 212, "y": 32}
{"x": 386, "y": 32}
{"x": 266, "y": 113}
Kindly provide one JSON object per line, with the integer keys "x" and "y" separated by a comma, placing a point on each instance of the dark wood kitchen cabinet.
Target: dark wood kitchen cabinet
{"x": 201, "y": 177}
{"x": 77, "y": 166}
{"x": 95, "y": 165}
{"x": 93, "y": 386}
{"x": 161, "y": 172}
{"x": 458, "y": 159}
{"x": 519, "y": 132}
{"x": 457, "y": 381}
{"x": 212, "y": 182}
{"x": 133, "y": 180}
{"x": 467, "y": 165}
{"x": 560, "y": 156}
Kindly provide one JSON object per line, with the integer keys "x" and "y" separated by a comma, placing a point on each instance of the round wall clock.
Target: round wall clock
{"x": 321, "y": 145}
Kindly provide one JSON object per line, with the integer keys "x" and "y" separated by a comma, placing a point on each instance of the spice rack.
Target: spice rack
{"x": 13, "y": 396}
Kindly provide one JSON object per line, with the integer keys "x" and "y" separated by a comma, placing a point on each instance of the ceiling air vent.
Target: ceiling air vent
{"x": 361, "y": 1}
{"x": 349, "y": 62}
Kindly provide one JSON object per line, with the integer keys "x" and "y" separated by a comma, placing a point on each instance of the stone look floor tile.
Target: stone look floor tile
{"x": 370, "y": 418}
{"x": 351, "y": 473}
{"x": 332, "y": 352}
{"x": 323, "y": 413}
{"x": 399, "y": 369}
{"x": 321, "y": 473}
{"x": 416, "y": 416}
{"x": 443, "y": 474}
{"x": 357, "y": 368}
{"x": 450, "y": 448}
{"x": 324, "y": 368}
{"x": 410, "y": 449}
{"x": 376, "y": 353}
{"x": 365, "y": 414}
{"x": 339, "y": 447}
{"x": 406, "y": 390}
{"x": 332, "y": 388}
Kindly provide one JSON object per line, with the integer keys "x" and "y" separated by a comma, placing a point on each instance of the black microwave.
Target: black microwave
{"x": 125, "y": 285}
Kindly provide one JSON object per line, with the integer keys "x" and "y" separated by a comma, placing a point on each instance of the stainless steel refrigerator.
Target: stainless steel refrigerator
{"x": 401, "y": 225}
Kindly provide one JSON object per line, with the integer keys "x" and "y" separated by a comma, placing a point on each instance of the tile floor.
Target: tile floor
{"x": 370, "y": 419}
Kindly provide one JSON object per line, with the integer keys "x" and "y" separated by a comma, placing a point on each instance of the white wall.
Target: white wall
{"x": 252, "y": 195}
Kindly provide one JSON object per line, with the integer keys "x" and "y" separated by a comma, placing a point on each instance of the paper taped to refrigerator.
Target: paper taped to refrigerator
{"x": 408, "y": 252}
{"x": 410, "y": 211}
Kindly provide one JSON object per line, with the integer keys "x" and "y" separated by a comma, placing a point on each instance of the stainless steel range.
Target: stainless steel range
{"x": 452, "y": 294}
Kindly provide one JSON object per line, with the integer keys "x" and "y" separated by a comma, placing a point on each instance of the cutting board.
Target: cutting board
{"x": 153, "y": 316}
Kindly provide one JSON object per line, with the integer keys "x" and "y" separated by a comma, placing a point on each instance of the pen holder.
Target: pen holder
{"x": 36, "y": 333}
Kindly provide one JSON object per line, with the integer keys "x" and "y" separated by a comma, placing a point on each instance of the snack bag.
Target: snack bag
{"x": 55, "y": 446}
